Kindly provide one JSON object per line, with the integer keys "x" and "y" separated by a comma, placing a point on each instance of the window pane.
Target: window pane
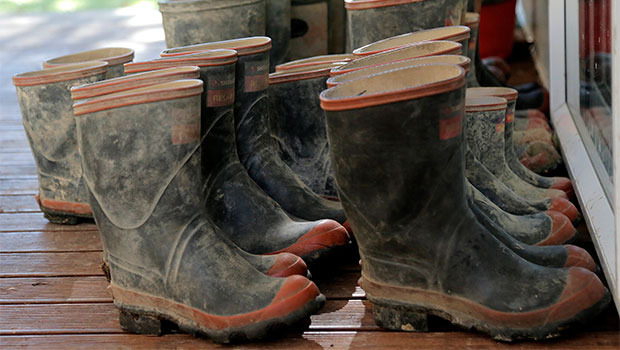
{"x": 595, "y": 78}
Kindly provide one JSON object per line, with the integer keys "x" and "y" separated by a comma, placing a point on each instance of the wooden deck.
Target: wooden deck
{"x": 53, "y": 294}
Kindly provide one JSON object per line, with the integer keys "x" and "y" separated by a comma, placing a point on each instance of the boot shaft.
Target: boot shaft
{"x": 45, "y": 103}
{"x": 370, "y": 21}
{"x": 485, "y": 124}
{"x": 217, "y": 71}
{"x": 298, "y": 123}
{"x": 417, "y": 145}
{"x": 199, "y": 21}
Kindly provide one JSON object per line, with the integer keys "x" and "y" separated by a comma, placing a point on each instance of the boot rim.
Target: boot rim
{"x": 444, "y": 48}
{"x": 315, "y": 60}
{"x": 434, "y": 86}
{"x": 112, "y": 55}
{"x": 303, "y": 73}
{"x": 134, "y": 81}
{"x": 454, "y": 33}
{"x": 509, "y": 94}
{"x": 472, "y": 19}
{"x": 243, "y": 46}
{"x": 153, "y": 93}
{"x": 62, "y": 73}
{"x": 206, "y": 58}
{"x": 371, "y": 4}
{"x": 339, "y": 79}
{"x": 485, "y": 103}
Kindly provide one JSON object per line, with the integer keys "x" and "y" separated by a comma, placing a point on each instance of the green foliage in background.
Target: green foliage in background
{"x": 67, "y": 5}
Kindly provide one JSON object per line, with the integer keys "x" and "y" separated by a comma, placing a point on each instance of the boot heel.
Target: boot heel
{"x": 140, "y": 323}
{"x": 61, "y": 219}
{"x": 400, "y": 317}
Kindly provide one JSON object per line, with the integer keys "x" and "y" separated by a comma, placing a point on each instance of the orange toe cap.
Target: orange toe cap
{"x": 288, "y": 264}
{"x": 561, "y": 229}
{"x": 583, "y": 290}
{"x": 328, "y": 233}
{"x": 565, "y": 207}
{"x": 563, "y": 184}
{"x": 579, "y": 257}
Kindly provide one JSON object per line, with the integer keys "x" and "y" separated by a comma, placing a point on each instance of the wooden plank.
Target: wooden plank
{"x": 19, "y": 204}
{"x": 19, "y": 186}
{"x": 78, "y": 318}
{"x": 54, "y": 290}
{"x": 58, "y": 319}
{"x": 22, "y": 158}
{"x": 18, "y": 171}
{"x": 50, "y": 264}
{"x": 312, "y": 341}
{"x": 12, "y": 222}
{"x": 50, "y": 241}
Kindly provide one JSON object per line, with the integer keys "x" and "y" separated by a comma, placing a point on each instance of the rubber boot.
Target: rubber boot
{"x": 279, "y": 30}
{"x": 424, "y": 49}
{"x": 472, "y": 20}
{"x": 45, "y": 103}
{"x": 312, "y": 61}
{"x": 462, "y": 61}
{"x": 371, "y": 20}
{"x": 279, "y": 265}
{"x": 115, "y": 56}
{"x": 256, "y": 145}
{"x": 543, "y": 228}
{"x": 167, "y": 261}
{"x": 423, "y": 251}
{"x": 487, "y": 141}
{"x": 551, "y": 256}
{"x": 191, "y": 22}
{"x": 559, "y": 183}
{"x": 298, "y": 125}
{"x": 249, "y": 217}
{"x": 479, "y": 176}
{"x": 460, "y": 34}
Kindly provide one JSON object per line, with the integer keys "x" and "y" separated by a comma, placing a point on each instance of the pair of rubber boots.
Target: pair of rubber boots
{"x": 423, "y": 250}
{"x": 45, "y": 104}
{"x": 144, "y": 160}
{"x": 256, "y": 143}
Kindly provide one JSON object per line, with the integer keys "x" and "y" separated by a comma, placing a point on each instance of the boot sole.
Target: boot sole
{"x": 412, "y": 307}
{"x": 150, "y": 318}
{"x": 62, "y": 217}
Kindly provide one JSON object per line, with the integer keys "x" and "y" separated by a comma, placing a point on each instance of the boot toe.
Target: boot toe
{"x": 561, "y": 229}
{"x": 287, "y": 264}
{"x": 563, "y": 184}
{"x": 565, "y": 207}
{"x": 326, "y": 234}
{"x": 583, "y": 292}
{"x": 579, "y": 257}
{"x": 536, "y": 123}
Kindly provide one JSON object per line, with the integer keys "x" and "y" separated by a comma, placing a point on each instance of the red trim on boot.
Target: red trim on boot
{"x": 562, "y": 230}
{"x": 579, "y": 257}
{"x": 64, "y": 206}
{"x": 287, "y": 264}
